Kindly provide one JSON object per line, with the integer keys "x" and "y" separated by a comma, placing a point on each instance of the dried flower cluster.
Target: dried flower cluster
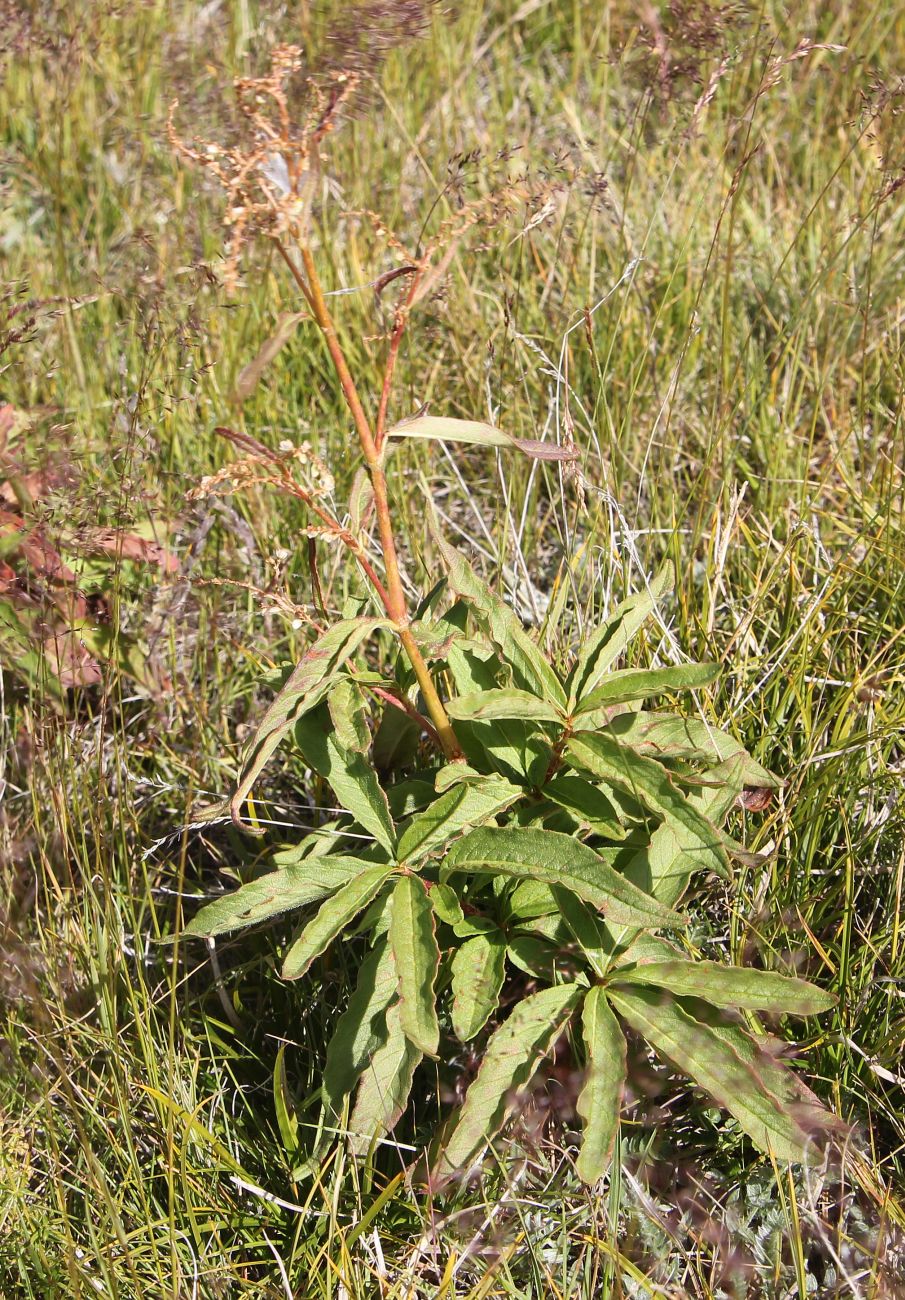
{"x": 269, "y": 180}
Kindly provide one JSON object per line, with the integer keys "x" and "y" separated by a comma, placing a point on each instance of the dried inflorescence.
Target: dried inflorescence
{"x": 263, "y": 467}
{"x": 269, "y": 178}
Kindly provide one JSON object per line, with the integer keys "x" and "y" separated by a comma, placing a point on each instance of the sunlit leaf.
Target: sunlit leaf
{"x": 715, "y": 1064}
{"x": 502, "y": 703}
{"x": 734, "y": 987}
{"x": 417, "y": 959}
{"x": 306, "y": 686}
{"x": 332, "y": 919}
{"x": 441, "y": 428}
{"x": 600, "y": 1098}
{"x": 667, "y": 735}
{"x": 649, "y": 783}
{"x": 459, "y": 807}
{"x": 385, "y": 1085}
{"x": 556, "y": 859}
{"x": 477, "y": 977}
{"x": 277, "y": 892}
{"x": 640, "y": 683}
{"x": 530, "y": 670}
{"x": 604, "y": 646}
{"x": 510, "y": 1060}
{"x": 352, "y": 778}
{"x": 361, "y": 1028}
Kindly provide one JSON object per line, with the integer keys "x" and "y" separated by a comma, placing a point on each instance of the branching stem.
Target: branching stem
{"x": 393, "y": 597}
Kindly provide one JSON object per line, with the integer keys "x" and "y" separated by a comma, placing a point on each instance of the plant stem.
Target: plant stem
{"x": 395, "y": 595}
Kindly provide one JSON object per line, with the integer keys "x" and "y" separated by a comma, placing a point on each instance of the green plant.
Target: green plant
{"x": 555, "y": 824}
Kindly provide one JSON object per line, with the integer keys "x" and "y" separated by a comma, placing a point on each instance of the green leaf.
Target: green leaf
{"x": 649, "y": 783}
{"x": 306, "y": 686}
{"x": 732, "y": 986}
{"x": 664, "y": 867}
{"x": 352, "y": 779}
{"x": 332, "y": 919}
{"x": 417, "y": 959}
{"x": 530, "y": 670}
{"x": 442, "y": 428}
{"x": 385, "y": 1086}
{"x": 361, "y": 1028}
{"x": 611, "y": 639}
{"x": 587, "y": 801}
{"x": 532, "y": 955}
{"x": 502, "y": 703}
{"x": 586, "y": 929}
{"x": 531, "y": 898}
{"x": 275, "y": 893}
{"x": 461, "y": 806}
{"x": 556, "y": 859}
{"x": 763, "y": 1057}
{"x": 600, "y": 1099}
{"x": 446, "y": 905}
{"x": 512, "y": 1056}
{"x": 667, "y": 735}
{"x": 639, "y": 683}
{"x": 349, "y": 716}
{"x": 477, "y": 978}
{"x": 712, "y": 1061}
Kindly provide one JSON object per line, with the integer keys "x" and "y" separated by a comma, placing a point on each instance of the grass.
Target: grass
{"x": 738, "y": 402}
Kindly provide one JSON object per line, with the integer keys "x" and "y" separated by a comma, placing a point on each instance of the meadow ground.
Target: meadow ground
{"x": 718, "y": 288}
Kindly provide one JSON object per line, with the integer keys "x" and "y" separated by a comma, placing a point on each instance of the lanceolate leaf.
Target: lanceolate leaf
{"x": 352, "y": 778}
{"x": 306, "y": 686}
{"x": 477, "y": 977}
{"x": 482, "y": 706}
{"x": 732, "y": 986}
{"x": 649, "y": 783}
{"x": 385, "y": 1085}
{"x": 667, "y": 735}
{"x": 277, "y": 892}
{"x": 586, "y": 928}
{"x": 587, "y": 802}
{"x": 556, "y": 859}
{"x": 530, "y": 670}
{"x": 417, "y": 958}
{"x": 469, "y": 804}
{"x": 601, "y": 1097}
{"x": 510, "y": 1060}
{"x": 332, "y": 919}
{"x": 440, "y": 428}
{"x": 605, "y": 646}
{"x": 664, "y": 867}
{"x": 360, "y": 1029}
{"x": 640, "y": 683}
{"x": 714, "y": 1063}
{"x": 762, "y": 1055}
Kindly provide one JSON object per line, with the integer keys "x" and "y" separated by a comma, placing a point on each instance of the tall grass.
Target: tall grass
{"x": 738, "y": 402}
